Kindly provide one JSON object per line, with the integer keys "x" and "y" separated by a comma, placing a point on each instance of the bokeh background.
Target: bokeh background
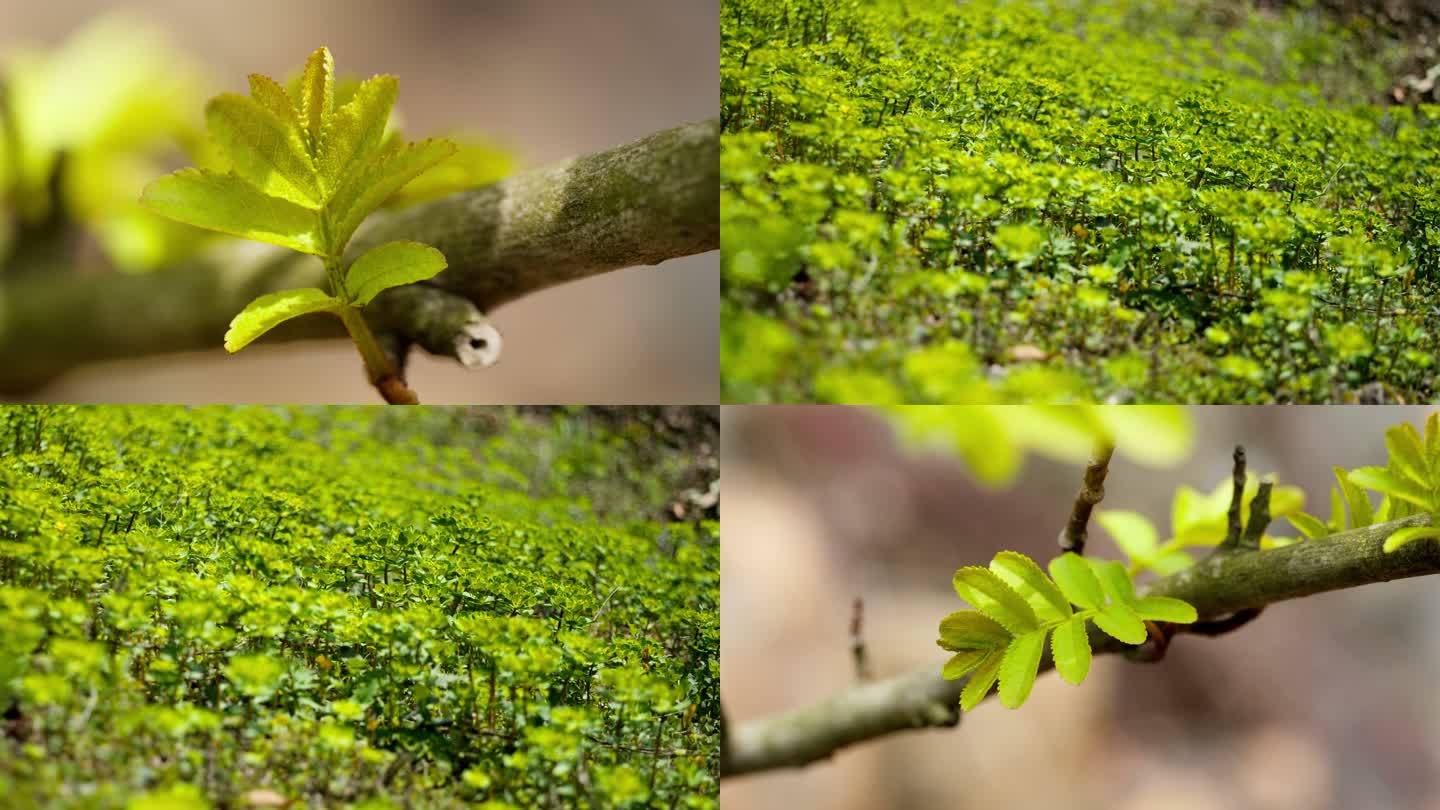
{"x": 1322, "y": 703}
{"x": 547, "y": 78}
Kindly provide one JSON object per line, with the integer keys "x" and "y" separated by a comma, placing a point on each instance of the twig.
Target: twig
{"x": 857, "y": 640}
{"x": 1092, "y": 491}
{"x": 1237, "y": 492}
{"x": 1259, "y": 518}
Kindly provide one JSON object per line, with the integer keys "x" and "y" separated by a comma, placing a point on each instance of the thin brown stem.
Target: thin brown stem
{"x": 1092, "y": 491}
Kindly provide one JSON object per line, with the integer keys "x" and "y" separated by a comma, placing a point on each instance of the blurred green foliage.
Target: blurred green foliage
{"x": 351, "y": 607}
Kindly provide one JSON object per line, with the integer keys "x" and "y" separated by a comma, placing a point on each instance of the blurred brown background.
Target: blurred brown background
{"x": 1322, "y": 703}
{"x": 548, "y": 78}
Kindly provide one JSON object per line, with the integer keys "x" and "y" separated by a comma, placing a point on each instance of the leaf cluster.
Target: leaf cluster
{"x": 1017, "y": 606}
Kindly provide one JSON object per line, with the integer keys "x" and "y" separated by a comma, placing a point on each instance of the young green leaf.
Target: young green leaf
{"x": 1356, "y": 499}
{"x": 995, "y": 599}
{"x": 981, "y": 679}
{"x": 357, "y": 128}
{"x": 1113, "y": 580}
{"x": 365, "y": 190}
{"x": 1407, "y": 453}
{"x": 263, "y": 149}
{"x": 269, "y": 311}
{"x": 1164, "y": 609}
{"x": 1119, "y": 621}
{"x": 317, "y": 92}
{"x": 391, "y": 265}
{"x": 1019, "y": 667}
{"x": 1022, "y": 574}
{"x": 225, "y": 203}
{"x": 1171, "y": 562}
{"x": 1132, "y": 532}
{"x": 1410, "y": 534}
{"x": 269, "y": 94}
{"x": 1309, "y": 525}
{"x": 1386, "y": 482}
{"x": 990, "y": 595}
{"x": 1070, "y": 647}
{"x": 963, "y": 663}
{"x": 1076, "y": 580}
{"x": 971, "y": 630}
{"x": 1432, "y": 440}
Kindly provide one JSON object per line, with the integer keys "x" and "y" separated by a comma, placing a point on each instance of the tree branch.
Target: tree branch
{"x": 637, "y": 204}
{"x": 1223, "y": 585}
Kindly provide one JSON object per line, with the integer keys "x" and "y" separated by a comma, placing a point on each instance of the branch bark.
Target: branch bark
{"x": 1220, "y": 586}
{"x": 637, "y": 204}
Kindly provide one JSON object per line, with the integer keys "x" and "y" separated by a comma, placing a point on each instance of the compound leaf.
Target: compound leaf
{"x": 963, "y": 663}
{"x": 981, "y": 679}
{"x": 990, "y": 595}
{"x": 357, "y": 129}
{"x": 1384, "y": 481}
{"x": 365, "y": 190}
{"x": 317, "y": 92}
{"x": 269, "y": 94}
{"x": 1407, "y": 453}
{"x": 1076, "y": 580}
{"x": 391, "y": 265}
{"x": 1361, "y": 513}
{"x": 1410, "y": 534}
{"x": 971, "y": 630}
{"x": 1164, "y": 609}
{"x": 1021, "y": 573}
{"x": 1113, "y": 580}
{"x": 1120, "y": 621}
{"x": 1019, "y": 667}
{"x": 1070, "y": 647}
{"x": 225, "y": 203}
{"x": 269, "y": 311}
{"x": 262, "y": 149}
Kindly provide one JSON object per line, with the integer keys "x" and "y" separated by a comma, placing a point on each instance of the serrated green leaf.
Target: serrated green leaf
{"x": 317, "y": 92}
{"x": 971, "y": 630}
{"x": 225, "y": 203}
{"x": 1407, "y": 454}
{"x": 1386, "y": 482}
{"x": 1410, "y": 534}
{"x": 1070, "y": 647}
{"x": 1309, "y": 525}
{"x": 990, "y": 595}
{"x": 963, "y": 663}
{"x": 269, "y": 94}
{"x": 1164, "y": 609}
{"x": 981, "y": 679}
{"x": 1131, "y": 531}
{"x": 1019, "y": 668}
{"x": 364, "y": 191}
{"x": 1076, "y": 580}
{"x": 1114, "y": 580}
{"x": 1021, "y": 573}
{"x": 1432, "y": 440}
{"x": 1355, "y": 499}
{"x": 391, "y": 265}
{"x": 269, "y": 311}
{"x": 262, "y": 149}
{"x": 356, "y": 130}
{"x": 1120, "y": 622}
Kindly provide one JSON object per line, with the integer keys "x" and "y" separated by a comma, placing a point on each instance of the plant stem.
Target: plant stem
{"x": 378, "y": 367}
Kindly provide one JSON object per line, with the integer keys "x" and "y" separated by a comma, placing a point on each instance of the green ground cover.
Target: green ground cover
{"x": 1058, "y": 200}
{"x": 241, "y": 607}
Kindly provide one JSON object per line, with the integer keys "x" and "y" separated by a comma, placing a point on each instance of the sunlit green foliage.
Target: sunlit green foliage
{"x": 429, "y": 608}
{"x": 1017, "y": 607}
{"x": 1000, "y": 200}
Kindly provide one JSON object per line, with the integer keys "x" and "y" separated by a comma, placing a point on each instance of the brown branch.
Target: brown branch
{"x": 1226, "y": 590}
{"x": 1237, "y": 493}
{"x": 1092, "y": 491}
{"x": 857, "y": 640}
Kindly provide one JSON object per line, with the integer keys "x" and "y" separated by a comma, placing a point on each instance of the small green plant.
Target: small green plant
{"x": 303, "y": 170}
{"x": 1017, "y": 606}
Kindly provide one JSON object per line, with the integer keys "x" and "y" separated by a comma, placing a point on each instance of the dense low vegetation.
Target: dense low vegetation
{"x": 237, "y": 607}
{"x": 939, "y": 201}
